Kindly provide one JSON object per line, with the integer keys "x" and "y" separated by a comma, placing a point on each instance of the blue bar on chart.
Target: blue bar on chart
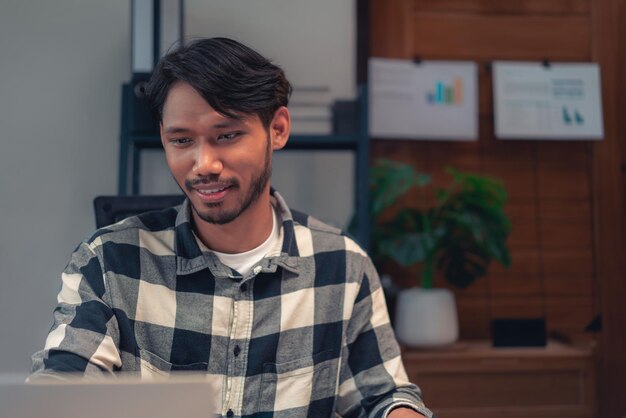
{"x": 439, "y": 90}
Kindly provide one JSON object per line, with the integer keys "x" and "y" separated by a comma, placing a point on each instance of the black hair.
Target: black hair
{"x": 231, "y": 77}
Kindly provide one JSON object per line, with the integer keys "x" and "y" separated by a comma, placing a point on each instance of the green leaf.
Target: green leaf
{"x": 459, "y": 235}
{"x": 389, "y": 180}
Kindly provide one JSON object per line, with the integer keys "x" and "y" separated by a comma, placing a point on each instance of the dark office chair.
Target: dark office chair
{"x": 111, "y": 209}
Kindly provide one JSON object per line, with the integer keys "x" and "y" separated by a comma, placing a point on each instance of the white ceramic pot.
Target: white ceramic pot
{"x": 426, "y": 318}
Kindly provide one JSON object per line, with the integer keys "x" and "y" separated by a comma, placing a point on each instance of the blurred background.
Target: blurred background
{"x": 62, "y": 66}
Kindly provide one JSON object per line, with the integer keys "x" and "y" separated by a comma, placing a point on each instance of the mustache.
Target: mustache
{"x": 212, "y": 180}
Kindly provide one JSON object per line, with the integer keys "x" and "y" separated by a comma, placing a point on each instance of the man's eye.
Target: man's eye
{"x": 228, "y": 137}
{"x": 180, "y": 141}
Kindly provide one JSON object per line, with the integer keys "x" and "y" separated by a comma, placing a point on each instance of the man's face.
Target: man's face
{"x": 222, "y": 164}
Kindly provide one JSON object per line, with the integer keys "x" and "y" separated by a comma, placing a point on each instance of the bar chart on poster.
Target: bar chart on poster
{"x": 430, "y": 100}
{"x": 547, "y": 101}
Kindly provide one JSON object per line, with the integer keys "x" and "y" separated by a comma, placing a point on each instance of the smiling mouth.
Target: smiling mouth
{"x": 212, "y": 194}
{"x": 212, "y": 190}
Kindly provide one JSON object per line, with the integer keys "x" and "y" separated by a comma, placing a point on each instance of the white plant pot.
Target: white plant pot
{"x": 426, "y": 318}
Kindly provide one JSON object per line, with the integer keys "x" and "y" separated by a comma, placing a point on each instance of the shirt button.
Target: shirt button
{"x": 237, "y": 350}
{"x": 230, "y": 413}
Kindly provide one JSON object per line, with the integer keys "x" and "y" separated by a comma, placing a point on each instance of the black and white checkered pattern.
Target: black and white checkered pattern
{"x": 304, "y": 334}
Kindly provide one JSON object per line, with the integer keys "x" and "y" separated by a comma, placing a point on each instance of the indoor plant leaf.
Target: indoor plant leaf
{"x": 465, "y": 229}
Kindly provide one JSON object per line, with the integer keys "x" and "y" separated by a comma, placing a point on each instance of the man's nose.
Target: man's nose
{"x": 207, "y": 161}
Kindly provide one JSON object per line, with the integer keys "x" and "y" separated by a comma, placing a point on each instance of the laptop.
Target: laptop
{"x": 190, "y": 396}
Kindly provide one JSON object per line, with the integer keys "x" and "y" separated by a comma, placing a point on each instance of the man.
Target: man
{"x": 285, "y": 312}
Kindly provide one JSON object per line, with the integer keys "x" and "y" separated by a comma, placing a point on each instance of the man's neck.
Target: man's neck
{"x": 245, "y": 233}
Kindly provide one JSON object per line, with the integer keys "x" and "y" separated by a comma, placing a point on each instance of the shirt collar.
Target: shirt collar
{"x": 190, "y": 258}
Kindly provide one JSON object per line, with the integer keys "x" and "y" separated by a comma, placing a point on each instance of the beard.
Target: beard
{"x": 214, "y": 213}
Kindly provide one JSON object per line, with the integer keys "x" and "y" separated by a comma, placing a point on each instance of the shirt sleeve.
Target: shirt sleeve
{"x": 84, "y": 337}
{"x": 373, "y": 380}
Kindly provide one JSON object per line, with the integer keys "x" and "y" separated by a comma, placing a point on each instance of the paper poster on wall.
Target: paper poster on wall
{"x": 556, "y": 101}
{"x": 431, "y": 100}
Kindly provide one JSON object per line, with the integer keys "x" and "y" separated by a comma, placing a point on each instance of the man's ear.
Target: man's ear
{"x": 280, "y": 127}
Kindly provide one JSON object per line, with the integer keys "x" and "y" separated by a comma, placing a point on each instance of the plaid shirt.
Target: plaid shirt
{"x": 305, "y": 333}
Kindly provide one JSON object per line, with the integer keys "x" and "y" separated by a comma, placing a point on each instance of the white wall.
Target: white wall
{"x": 314, "y": 41}
{"x": 62, "y": 64}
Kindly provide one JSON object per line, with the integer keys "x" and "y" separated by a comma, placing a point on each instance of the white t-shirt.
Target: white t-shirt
{"x": 243, "y": 262}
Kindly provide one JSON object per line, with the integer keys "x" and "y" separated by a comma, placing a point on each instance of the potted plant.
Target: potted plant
{"x": 458, "y": 236}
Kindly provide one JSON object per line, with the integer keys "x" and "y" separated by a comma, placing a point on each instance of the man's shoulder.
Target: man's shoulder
{"x": 331, "y": 237}
{"x": 307, "y": 221}
{"x": 154, "y": 223}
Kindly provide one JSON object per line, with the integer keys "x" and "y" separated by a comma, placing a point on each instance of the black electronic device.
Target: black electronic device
{"x": 518, "y": 332}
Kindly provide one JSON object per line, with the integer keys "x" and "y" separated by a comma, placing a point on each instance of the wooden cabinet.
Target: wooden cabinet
{"x": 473, "y": 379}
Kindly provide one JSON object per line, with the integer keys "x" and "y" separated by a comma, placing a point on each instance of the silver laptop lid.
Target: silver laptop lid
{"x": 191, "y": 396}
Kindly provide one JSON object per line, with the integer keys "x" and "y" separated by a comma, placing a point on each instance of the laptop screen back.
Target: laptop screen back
{"x": 189, "y": 397}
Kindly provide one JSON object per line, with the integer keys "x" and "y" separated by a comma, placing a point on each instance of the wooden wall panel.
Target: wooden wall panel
{"x": 609, "y": 206}
{"x": 490, "y": 7}
{"x": 524, "y": 233}
{"x": 564, "y": 235}
{"x": 390, "y": 28}
{"x": 504, "y": 152}
{"x": 520, "y": 211}
{"x": 576, "y": 191}
{"x": 578, "y": 152}
{"x": 569, "y": 313}
{"x": 503, "y": 37}
{"x": 549, "y": 183}
{"x": 563, "y": 180}
{"x": 515, "y": 285}
{"x": 525, "y": 262}
{"x": 519, "y": 178}
{"x": 517, "y": 306}
{"x": 566, "y": 261}
{"x": 475, "y": 318}
{"x": 557, "y": 285}
{"x": 574, "y": 211}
